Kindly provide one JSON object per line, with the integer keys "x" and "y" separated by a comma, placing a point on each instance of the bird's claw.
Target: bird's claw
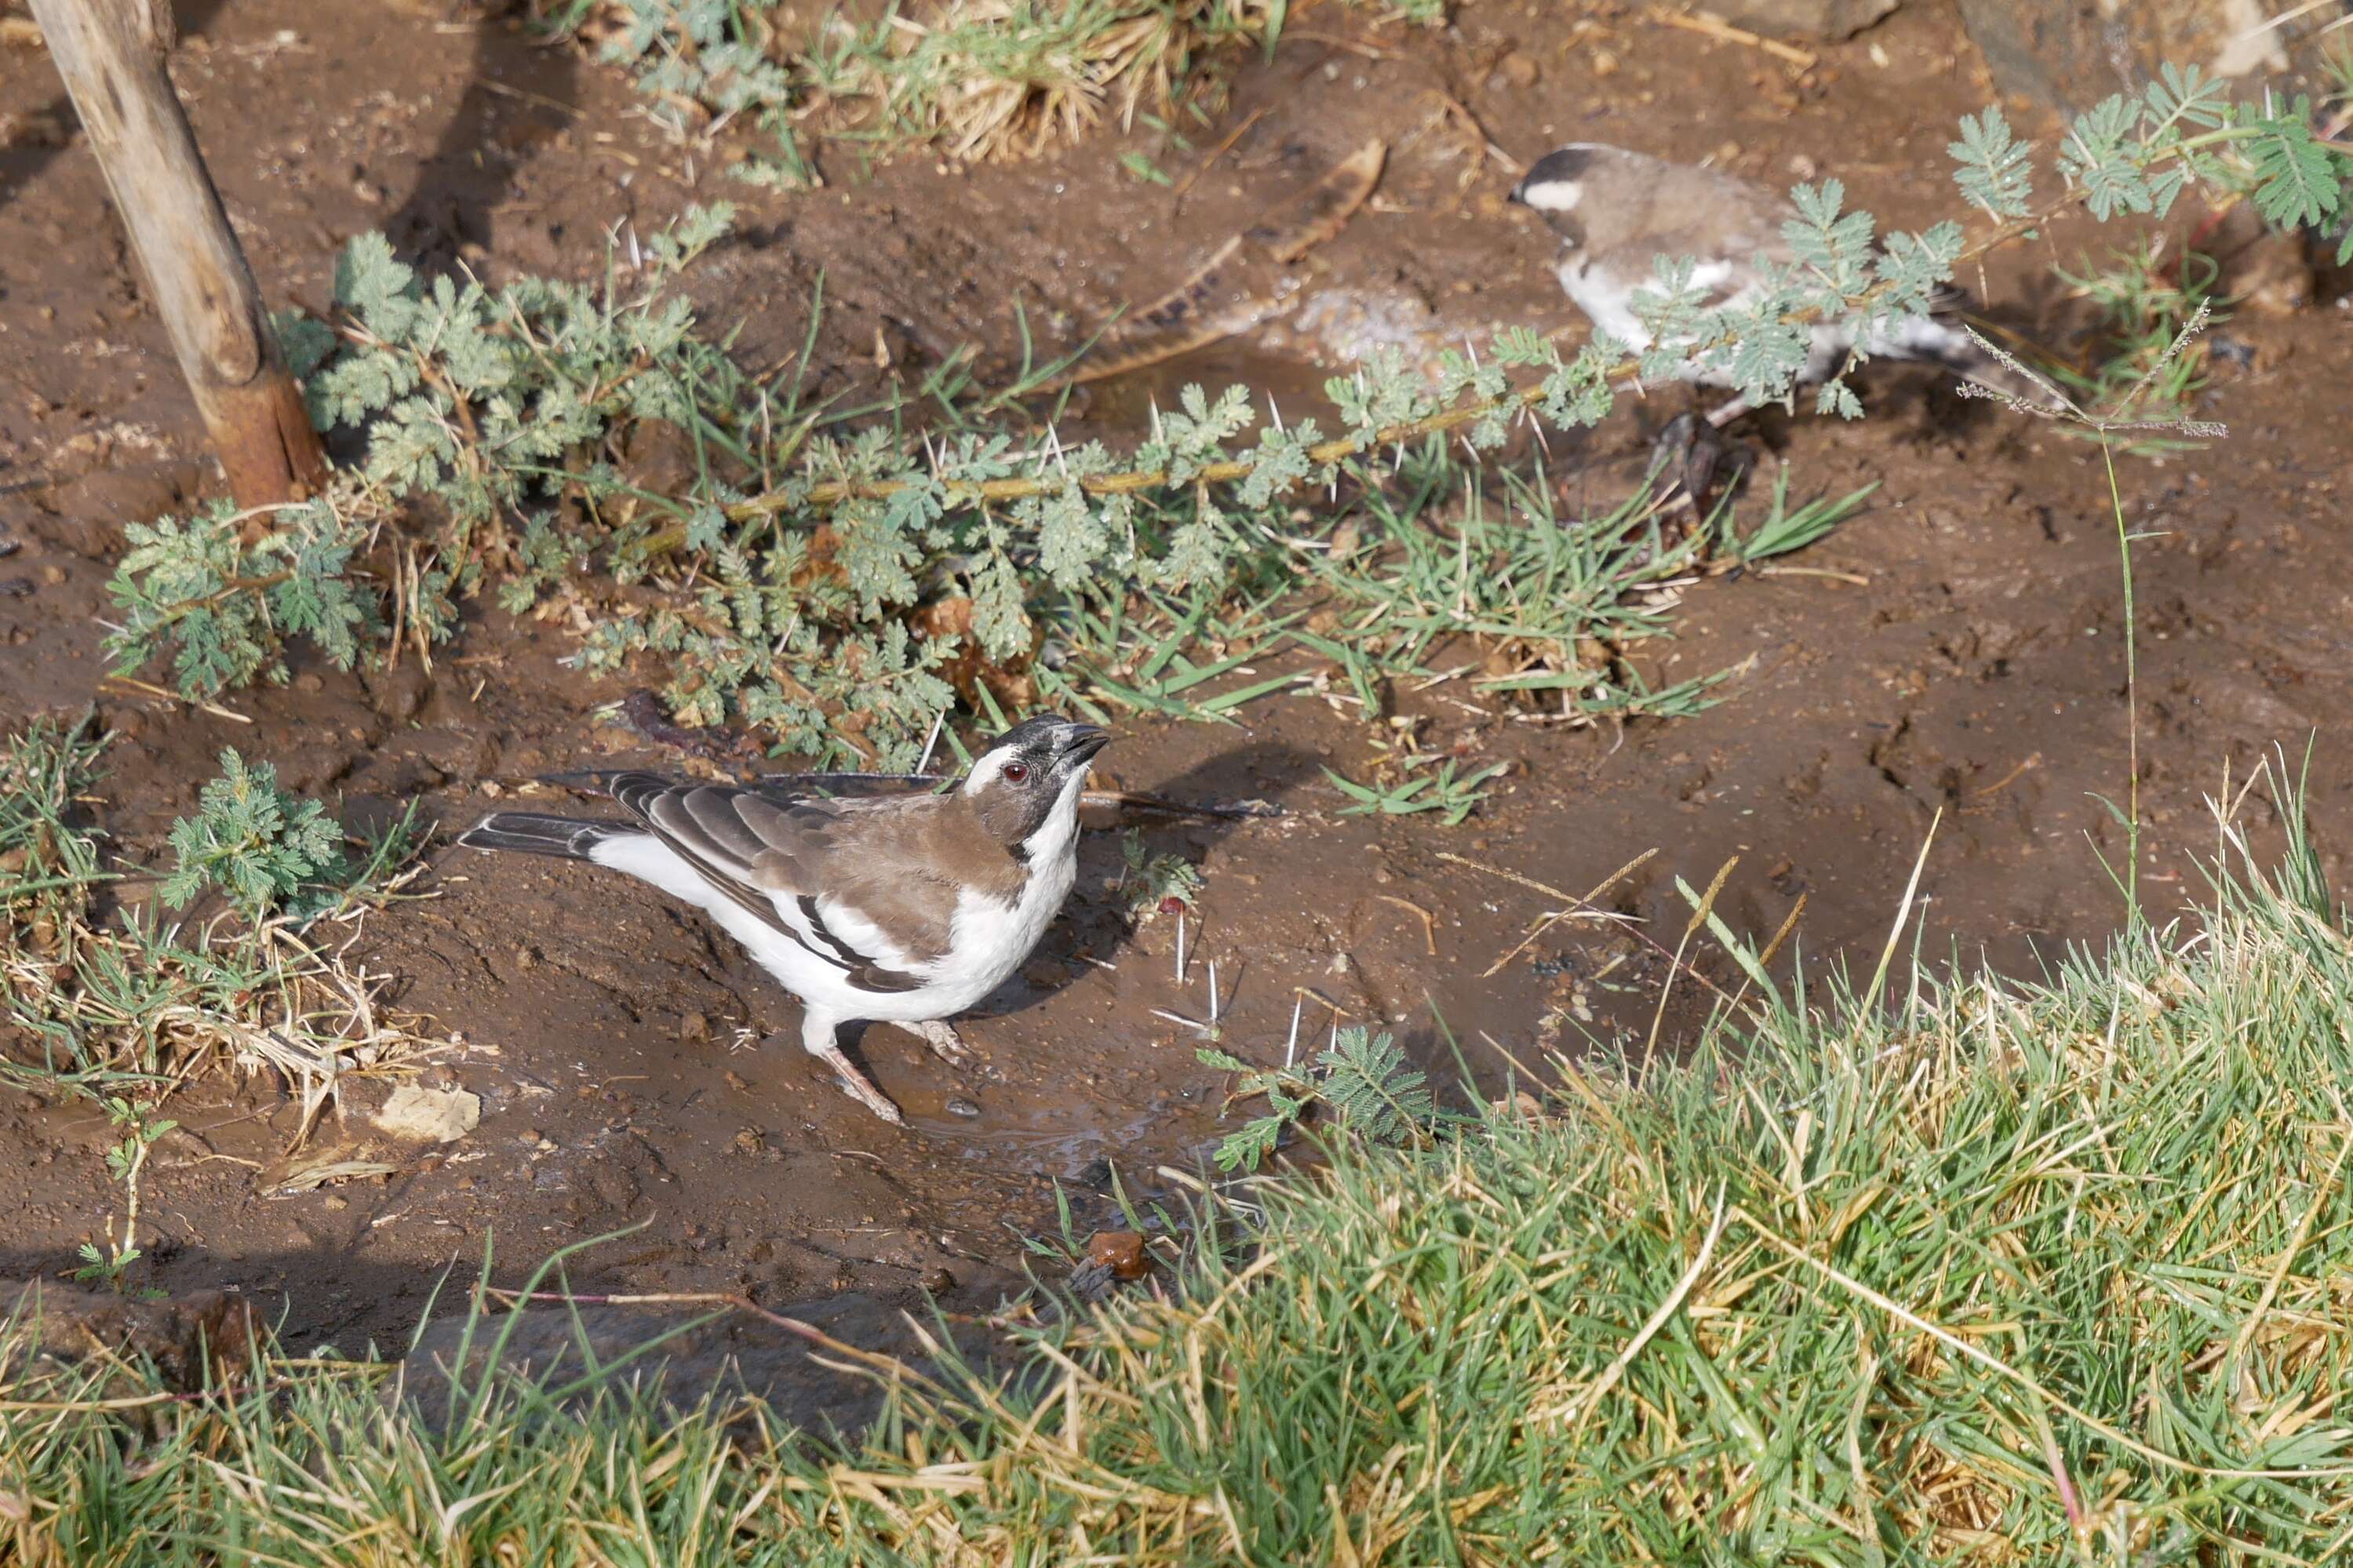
{"x": 945, "y": 1043}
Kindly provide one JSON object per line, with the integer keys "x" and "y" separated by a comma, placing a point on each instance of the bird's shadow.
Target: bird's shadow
{"x": 1096, "y": 921}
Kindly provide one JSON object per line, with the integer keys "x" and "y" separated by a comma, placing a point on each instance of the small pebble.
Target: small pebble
{"x": 526, "y": 958}
{"x": 960, "y": 1106}
{"x": 694, "y": 1026}
{"x": 939, "y": 1281}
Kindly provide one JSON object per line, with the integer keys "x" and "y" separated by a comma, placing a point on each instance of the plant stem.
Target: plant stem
{"x": 49, "y": 884}
{"x": 2132, "y": 697}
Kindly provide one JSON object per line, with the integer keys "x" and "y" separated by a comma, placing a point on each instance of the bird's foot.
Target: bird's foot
{"x": 945, "y": 1043}
{"x": 1690, "y": 462}
{"x": 858, "y": 1086}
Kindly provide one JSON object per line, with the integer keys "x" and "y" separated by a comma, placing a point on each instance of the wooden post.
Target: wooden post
{"x": 111, "y": 55}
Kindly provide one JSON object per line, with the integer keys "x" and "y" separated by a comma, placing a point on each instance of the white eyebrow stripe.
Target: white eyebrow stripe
{"x": 986, "y": 770}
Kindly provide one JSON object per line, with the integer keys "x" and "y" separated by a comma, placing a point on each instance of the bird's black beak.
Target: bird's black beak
{"x": 1079, "y": 744}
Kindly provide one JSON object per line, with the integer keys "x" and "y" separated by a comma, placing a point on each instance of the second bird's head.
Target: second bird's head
{"x": 1559, "y": 183}
{"x": 1027, "y": 781}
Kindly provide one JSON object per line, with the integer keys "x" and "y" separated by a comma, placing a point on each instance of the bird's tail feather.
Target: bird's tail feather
{"x": 567, "y": 837}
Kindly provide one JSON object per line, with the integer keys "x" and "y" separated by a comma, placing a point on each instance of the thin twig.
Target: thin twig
{"x": 147, "y": 688}
{"x": 1429, "y": 926}
{"x": 2033, "y": 760}
{"x": 1219, "y": 151}
{"x": 1649, "y": 941}
{"x": 1578, "y": 906}
{"x": 1724, "y": 32}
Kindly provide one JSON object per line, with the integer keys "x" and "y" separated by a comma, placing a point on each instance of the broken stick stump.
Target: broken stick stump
{"x": 111, "y": 56}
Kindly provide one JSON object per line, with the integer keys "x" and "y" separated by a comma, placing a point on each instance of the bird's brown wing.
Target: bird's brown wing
{"x": 787, "y": 858}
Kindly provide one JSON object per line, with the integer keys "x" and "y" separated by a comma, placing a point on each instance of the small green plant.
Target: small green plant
{"x": 124, "y": 1161}
{"x": 260, "y": 845}
{"x": 1783, "y": 530}
{"x": 106, "y": 1003}
{"x": 2121, "y": 422}
{"x": 1422, "y": 789}
{"x": 1148, "y": 883}
{"x": 226, "y": 605}
{"x": 972, "y": 80}
{"x": 1144, "y": 169}
{"x": 1372, "y": 1092}
{"x": 2142, "y": 304}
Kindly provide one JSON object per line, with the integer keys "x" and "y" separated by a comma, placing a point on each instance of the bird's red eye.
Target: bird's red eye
{"x": 1016, "y": 772}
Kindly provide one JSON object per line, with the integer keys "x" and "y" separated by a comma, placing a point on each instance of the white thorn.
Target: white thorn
{"x": 1213, "y": 990}
{"x": 1155, "y": 416}
{"x": 1274, "y": 413}
{"x": 1290, "y": 1046}
{"x": 1180, "y": 947}
{"x": 933, "y": 739}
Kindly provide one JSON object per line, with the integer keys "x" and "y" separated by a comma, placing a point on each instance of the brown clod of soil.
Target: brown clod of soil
{"x": 1121, "y": 1252}
{"x": 202, "y": 1337}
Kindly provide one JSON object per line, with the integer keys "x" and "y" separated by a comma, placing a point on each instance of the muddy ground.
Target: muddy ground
{"x": 1960, "y": 650}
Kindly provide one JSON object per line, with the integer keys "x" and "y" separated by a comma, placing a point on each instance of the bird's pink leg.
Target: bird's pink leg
{"x": 818, "y": 1039}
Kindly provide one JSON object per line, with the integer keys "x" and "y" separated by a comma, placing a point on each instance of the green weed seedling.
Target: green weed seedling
{"x": 1362, "y": 1078}
{"x": 1425, "y": 790}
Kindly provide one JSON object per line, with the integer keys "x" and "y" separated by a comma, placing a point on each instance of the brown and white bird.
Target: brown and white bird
{"x": 1616, "y": 211}
{"x": 902, "y": 909}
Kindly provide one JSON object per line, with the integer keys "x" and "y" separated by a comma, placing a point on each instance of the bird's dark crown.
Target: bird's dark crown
{"x": 1562, "y": 163}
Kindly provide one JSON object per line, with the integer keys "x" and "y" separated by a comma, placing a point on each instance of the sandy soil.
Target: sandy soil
{"x": 1961, "y": 652}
